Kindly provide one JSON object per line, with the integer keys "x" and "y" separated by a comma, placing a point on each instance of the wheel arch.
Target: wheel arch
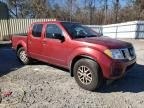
{"x": 75, "y": 59}
{"x": 18, "y": 47}
{"x": 21, "y": 44}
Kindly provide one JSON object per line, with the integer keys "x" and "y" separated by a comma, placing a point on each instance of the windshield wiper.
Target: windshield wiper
{"x": 81, "y": 36}
{"x": 92, "y": 36}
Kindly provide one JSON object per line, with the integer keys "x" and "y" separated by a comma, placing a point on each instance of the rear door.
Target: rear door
{"x": 35, "y": 41}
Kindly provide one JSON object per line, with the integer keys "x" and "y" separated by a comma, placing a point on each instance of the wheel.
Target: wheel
{"x": 22, "y": 56}
{"x": 87, "y": 74}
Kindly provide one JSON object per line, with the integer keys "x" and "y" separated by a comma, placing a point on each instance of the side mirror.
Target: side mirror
{"x": 59, "y": 36}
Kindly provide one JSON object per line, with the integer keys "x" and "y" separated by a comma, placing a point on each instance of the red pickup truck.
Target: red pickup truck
{"x": 91, "y": 58}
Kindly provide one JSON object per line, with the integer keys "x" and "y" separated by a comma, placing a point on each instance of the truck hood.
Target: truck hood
{"x": 106, "y": 42}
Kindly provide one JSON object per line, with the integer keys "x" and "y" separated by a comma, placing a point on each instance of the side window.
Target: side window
{"x": 80, "y": 31}
{"x": 37, "y": 30}
{"x": 53, "y": 31}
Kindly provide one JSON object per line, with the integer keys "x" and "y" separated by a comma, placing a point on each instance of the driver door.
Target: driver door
{"x": 54, "y": 50}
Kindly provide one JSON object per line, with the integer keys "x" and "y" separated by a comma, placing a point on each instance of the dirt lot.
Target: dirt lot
{"x": 44, "y": 86}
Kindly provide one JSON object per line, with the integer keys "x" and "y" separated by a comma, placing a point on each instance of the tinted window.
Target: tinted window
{"x": 77, "y": 30}
{"x": 53, "y": 30}
{"x": 37, "y": 30}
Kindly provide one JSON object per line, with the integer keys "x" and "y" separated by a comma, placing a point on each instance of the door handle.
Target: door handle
{"x": 44, "y": 42}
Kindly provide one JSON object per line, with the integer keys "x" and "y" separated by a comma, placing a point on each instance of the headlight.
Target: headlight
{"x": 114, "y": 53}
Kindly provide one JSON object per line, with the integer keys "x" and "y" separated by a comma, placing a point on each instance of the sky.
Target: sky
{"x": 122, "y": 2}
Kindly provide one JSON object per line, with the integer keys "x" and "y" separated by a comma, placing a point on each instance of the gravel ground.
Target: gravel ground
{"x": 44, "y": 86}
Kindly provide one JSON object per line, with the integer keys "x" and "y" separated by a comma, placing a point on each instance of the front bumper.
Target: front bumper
{"x": 120, "y": 68}
{"x": 116, "y": 69}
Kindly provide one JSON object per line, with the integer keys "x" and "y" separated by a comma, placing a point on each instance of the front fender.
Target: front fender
{"x": 85, "y": 51}
{"x": 103, "y": 60}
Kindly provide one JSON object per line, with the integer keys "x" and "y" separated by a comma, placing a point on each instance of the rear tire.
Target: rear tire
{"x": 22, "y": 56}
{"x": 87, "y": 74}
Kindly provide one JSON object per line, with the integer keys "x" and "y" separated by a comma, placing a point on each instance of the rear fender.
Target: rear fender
{"x": 23, "y": 44}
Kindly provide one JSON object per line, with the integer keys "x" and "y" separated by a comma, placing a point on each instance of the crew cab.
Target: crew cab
{"x": 90, "y": 57}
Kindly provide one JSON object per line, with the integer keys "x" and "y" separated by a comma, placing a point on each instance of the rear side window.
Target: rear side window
{"x": 37, "y": 30}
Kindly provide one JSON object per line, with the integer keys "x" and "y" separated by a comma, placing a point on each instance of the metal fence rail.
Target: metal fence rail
{"x": 97, "y": 28}
{"x": 121, "y": 30}
{"x": 133, "y": 30}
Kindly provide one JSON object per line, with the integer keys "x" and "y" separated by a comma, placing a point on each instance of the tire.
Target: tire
{"x": 22, "y": 56}
{"x": 91, "y": 78}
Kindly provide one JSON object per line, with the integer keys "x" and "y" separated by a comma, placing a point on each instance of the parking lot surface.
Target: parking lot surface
{"x": 44, "y": 86}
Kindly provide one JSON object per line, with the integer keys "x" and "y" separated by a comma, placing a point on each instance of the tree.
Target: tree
{"x": 90, "y": 5}
{"x": 14, "y": 5}
{"x": 85, "y": 11}
{"x": 116, "y": 10}
{"x": 30, "y": 8}
{"x": 57, "y": 11}
{"x": 39, "y": 8}
{"x": 70, "y": 8}
{"x": 106, "y": 10}
{"x": 139, "y": 6}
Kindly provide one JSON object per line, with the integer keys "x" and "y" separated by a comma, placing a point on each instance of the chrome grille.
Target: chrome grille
{"x": 128, "y": 53}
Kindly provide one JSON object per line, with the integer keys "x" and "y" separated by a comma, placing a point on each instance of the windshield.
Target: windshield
{"x": 77, "y": 30}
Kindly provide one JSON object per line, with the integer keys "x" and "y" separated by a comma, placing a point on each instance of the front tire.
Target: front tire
{"x": 22, "y": 56}
{"x": 87, "y": 74}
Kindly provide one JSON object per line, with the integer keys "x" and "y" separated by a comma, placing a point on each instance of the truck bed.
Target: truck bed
{"x": 21, "y": 34}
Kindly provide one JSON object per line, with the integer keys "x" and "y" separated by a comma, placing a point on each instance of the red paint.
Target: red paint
{"x": 7, "y": 94}
{"x": 59, "y": 53}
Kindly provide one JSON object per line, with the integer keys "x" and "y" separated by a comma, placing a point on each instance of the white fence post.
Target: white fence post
{"x": 16, "y": 26}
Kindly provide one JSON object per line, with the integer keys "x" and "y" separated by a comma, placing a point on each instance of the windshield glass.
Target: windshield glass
{"x": 77, "y": 30}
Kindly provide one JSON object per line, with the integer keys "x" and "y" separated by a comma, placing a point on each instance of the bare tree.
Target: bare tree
{"x": 106, "y": 10}
{"x": 69, "y": 8}
{"x": 116, "y": 10}
{"x": 91, "y": 7}
{"x": 86, "y": 12}
{"x": 103, "y": 10}
{"x": 139, "y": 7}
{"x": 13, "y": 6}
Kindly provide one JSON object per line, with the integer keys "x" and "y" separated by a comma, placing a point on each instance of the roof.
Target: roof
{"x": 56, "y": 21}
